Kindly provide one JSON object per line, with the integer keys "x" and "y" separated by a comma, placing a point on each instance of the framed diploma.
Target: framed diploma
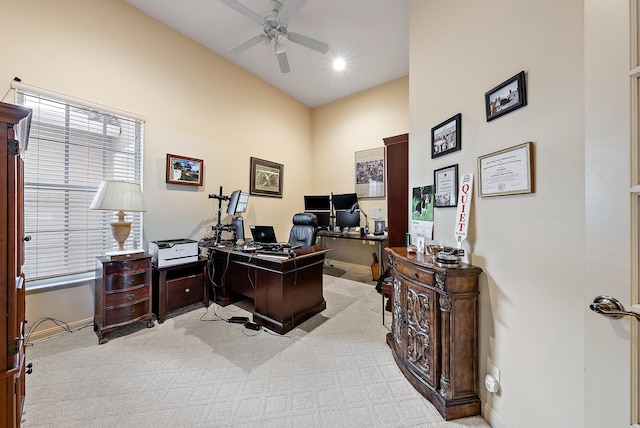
{"x": 446, "y": 186}
{"x": 506, "y": 172}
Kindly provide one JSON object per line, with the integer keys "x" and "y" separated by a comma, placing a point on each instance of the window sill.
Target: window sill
{"x": 51, "y": 284}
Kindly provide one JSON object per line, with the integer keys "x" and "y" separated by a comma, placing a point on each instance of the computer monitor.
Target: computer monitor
{"x": 324, "y": 218}
{"x": 346, "y": 218}
{"x": 344, "y": 201}
{"x": 317, "y": 203}
{"x": 237, "y": 202}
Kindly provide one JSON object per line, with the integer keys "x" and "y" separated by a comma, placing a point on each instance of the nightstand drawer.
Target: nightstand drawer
{"x": 127, "y": 266}
{"x": 126, "y": 297}
{"x": 184, "y": 291}
{"x": 120, "y": 282}
{"x": 126, "y": 313}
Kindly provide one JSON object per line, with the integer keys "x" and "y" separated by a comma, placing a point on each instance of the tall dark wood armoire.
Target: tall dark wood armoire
{"x": 12, "y": 283}
{"x": 397, "y": 188}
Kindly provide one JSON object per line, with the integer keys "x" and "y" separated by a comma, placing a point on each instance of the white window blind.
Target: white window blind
{"x": 72, "y": 149}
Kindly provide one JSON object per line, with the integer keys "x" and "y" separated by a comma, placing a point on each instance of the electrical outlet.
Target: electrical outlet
{"x": 495, "y": 372}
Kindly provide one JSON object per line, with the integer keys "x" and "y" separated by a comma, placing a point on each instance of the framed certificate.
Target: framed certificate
{"x": 506, "y": 172}
{"x": 446, "y": 186}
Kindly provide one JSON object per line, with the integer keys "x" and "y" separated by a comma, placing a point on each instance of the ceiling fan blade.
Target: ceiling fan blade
{"x": 289, "y": 11}
{"x": 241, "y": 47}
{"x": 240, "y": 8}
{"x": 282, "y": 59}
{"x": 308, "y": 42}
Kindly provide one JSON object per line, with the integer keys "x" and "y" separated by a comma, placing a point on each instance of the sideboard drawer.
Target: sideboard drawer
{"x": 414, "y": 273}
{"x": 127, "y": 267}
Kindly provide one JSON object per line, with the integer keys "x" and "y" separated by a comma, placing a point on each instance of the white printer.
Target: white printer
{"x": 173, "y": 252}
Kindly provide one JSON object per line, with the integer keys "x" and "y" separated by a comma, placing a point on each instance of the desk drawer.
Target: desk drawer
{"x": 126, "y": 297}
{"x": 184, "y": 291}
{"x": 126, "y": 313}
{"x": 414, "y": 273}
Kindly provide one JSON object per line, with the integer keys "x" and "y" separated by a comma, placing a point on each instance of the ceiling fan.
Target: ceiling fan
{"x": 274, "y": 30}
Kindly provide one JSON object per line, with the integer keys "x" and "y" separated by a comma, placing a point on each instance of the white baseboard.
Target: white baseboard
{"x": 492, "y": 418}
{"x": 57, "y": 329}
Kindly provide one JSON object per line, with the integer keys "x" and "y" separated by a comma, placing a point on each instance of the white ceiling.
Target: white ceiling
{"x": 371, "y": 35}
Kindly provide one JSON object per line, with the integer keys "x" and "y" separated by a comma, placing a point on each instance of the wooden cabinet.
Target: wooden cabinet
{"x": 123, "y": 293}
{"x": 434, "y": 332}
{"x": 177, "y": 286}
{"x": 12, "y": 282}
{"x": 397, "y": 188}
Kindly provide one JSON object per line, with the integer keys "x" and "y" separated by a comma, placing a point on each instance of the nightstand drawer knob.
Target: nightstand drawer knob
{"x": 187, "y": 290}
{"x": 415, "y": 274}
{"x": 128, "y": 297}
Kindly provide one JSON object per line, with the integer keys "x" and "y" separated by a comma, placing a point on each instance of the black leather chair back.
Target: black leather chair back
{"x": 304, "y": 230}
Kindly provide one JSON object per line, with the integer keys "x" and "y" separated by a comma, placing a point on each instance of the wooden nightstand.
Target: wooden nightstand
{"x": 123, "y": 293}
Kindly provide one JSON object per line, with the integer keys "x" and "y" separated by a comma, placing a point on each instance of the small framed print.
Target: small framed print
{"x": 184, "y": 170}
{"x": 445, "y": 181}
{"x": 508, "y": 96}
{"x": 266, "y": 178}
{"x": 445, "y": 137}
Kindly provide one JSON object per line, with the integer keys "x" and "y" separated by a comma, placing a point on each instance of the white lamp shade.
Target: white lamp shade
{"x": 115, "y": 195}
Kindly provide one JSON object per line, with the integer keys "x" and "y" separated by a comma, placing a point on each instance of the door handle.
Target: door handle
{"x": 610, "y": 307}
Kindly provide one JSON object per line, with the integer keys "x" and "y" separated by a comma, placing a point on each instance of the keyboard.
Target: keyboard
{"x": 277, "y": 253}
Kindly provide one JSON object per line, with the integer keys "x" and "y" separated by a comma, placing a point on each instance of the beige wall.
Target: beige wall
{"x": 531, "y": 247}
{"x": 196, "y": 104}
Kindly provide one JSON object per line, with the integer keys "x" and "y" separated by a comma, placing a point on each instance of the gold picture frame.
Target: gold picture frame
{"x": 506, "y": 172}
{"x": 184, "y": 170}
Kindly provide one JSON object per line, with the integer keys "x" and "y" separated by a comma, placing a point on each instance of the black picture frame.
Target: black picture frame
{"x": 445, "y": 181}
{"x": 446, "y": 137}
{"x": 508, "y": 96}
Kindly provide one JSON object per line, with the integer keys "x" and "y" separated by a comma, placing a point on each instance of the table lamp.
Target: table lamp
{"x": 121, "y": 196}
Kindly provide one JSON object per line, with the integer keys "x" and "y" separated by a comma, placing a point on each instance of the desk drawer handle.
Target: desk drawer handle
{"x": 187, "y": 290}
{"x": 128, "y": 297}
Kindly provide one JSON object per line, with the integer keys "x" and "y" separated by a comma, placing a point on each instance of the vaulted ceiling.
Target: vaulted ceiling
{"x": 372, "y": 37}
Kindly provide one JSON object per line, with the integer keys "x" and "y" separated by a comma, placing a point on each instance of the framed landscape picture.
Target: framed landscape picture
{"x": 184, "y": 170}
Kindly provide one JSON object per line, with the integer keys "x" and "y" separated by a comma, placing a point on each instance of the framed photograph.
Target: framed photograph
{"x": 506, "y": 172}
{"x": 422, "y": 204}
{"x": 506, "y": 97}
{"x": 265, "y": 178}
{"x": 378, "y": 227}
{"x": 184, "y": 170}
{"x": 445, "y": 181}
{"x": 445, "y": 137}
{"x": 370, "y": 173}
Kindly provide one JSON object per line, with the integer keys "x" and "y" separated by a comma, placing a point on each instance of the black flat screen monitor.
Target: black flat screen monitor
{"x": 345, "y": 218}
{"x": 237, "y": 202}
{"x": 344, "y": 201}
{"x": 324, "y": 218}
{"x": 317, "y": 203}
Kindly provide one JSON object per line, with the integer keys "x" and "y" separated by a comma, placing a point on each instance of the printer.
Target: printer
{"x": 173, "y": 252}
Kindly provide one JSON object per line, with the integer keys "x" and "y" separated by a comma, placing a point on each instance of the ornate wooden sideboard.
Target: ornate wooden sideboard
{"x": 12, "y": 284}
{"x": 434, "y": 332}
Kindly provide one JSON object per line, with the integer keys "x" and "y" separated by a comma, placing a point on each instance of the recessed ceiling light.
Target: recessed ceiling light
{"x": 338, "y": 64}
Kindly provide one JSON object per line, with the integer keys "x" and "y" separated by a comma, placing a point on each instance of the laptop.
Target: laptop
{"x": 265, "y": 235}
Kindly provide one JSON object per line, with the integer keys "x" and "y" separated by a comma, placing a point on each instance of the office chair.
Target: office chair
{"x": 304, "y": 230}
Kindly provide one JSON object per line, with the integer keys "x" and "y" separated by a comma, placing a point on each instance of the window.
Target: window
{"x": 73, "y": 147}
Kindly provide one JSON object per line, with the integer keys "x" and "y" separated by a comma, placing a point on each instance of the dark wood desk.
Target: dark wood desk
{"x": 285, "y": 291}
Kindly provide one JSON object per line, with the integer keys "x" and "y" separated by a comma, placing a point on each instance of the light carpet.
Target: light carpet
{"x": 194, "y": 370}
